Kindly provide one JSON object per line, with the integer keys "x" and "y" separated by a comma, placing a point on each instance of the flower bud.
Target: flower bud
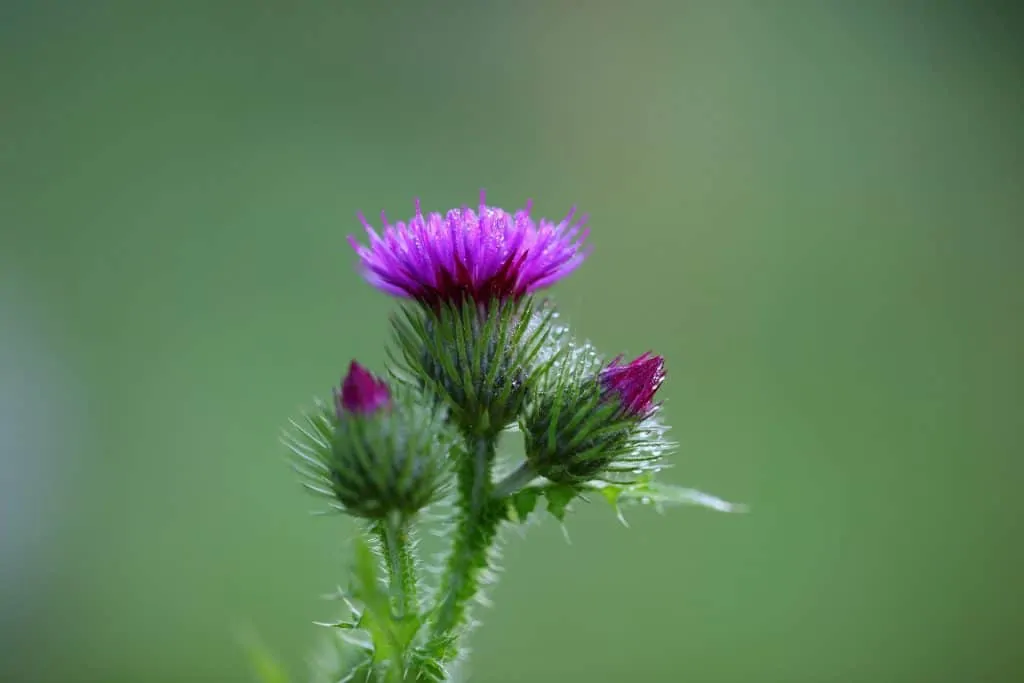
{"x": 596, "y": 423}
{"x": 377, "y": 453}
{"x": 634, "y": 384}
{"x": 361, "y": 393}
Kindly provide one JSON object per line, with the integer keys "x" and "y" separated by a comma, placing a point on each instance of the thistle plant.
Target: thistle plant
{"x": 475, "y": 354}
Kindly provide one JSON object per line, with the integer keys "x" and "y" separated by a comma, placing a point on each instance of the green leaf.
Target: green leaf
{"x": 377, "y": 615}
{"x": 559, "y": 496}
{"x": 405, "y": 630}
{"x": 654, "y": 493}
{"x": 523, "y": 503}
{"x": 361, "y": 672}
{"x": 265, "y": 665}
{"x": 358, "y": 638}
{"x": 345, "y": 624}
{"x": 612, "y": 494}
{"x": 424, "y": 668}
{"x": 377, "y": 630}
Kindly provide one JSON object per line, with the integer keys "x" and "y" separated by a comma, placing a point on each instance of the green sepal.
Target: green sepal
{"x": 480, "y": 360}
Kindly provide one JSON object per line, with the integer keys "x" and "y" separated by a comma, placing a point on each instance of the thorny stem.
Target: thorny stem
{"x": 474, "y": 535}
{"x": 397, "y": 547}
{"x": 515, "y": 481}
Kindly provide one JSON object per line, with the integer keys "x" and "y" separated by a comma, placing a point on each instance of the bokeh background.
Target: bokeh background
{"x": 813, "y": 209}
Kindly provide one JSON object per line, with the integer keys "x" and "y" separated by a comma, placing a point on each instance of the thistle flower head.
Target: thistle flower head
{"x": 634, "y": 384}
{"x": 483, "y": 255}
{"x": 361, "y": 393}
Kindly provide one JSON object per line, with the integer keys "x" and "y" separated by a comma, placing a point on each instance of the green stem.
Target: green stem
{"x": 515, "y": 481}
{"x": 474, "y": 535}
{"x": 397, "y": 546}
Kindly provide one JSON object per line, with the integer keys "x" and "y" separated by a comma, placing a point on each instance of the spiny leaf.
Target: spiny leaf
{"x": 432, "y": 670}
{"x": 358, "y": 638}
{"x": 559, "y": 496}
{"x": 390, "y": 637}
{"x": 650, "y": 492}
{"x": 361, "y": 672}
{"x": 265, "y": 665}
{"x": 612, "y": 494}
{"x": 405, "y": 630}
{"x": 345, "y": 624}
{"x": 523, "y": 503}
{"x": 377, "y": 615}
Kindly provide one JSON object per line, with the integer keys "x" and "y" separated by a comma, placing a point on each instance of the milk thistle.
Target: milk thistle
{"x": 475, "y": 353}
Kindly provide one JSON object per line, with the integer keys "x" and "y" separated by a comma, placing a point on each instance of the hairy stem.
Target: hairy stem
{"x": 475, "y": 532}
{"x": 397, "y": 547}
{"x": 515, "y": 481}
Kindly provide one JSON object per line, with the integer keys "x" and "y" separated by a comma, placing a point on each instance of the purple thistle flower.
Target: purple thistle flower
{"x": 634, "y": 384}
{"x": 361, "y": 393}
{"x": 482, "y": 255}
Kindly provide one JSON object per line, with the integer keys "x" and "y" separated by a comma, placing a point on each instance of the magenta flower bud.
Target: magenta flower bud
{"x": 375, "y": 452}
{"x": 634, "y": 384}
{"x": 596, "y": 422}
{"x": 479, "y": 255}
{"x": 361, "y": 393}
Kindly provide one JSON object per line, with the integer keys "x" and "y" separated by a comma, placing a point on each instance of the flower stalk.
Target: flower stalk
{"x": 514, "y": 481}
{"x": 475, "y": 533}
{"x": 396, "y": 546}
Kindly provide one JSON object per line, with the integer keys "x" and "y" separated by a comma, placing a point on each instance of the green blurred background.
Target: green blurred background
{"x": 813, "y": 209}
